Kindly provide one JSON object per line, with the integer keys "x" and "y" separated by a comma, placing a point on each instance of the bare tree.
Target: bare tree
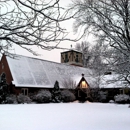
{"x": 95, "y": 57}
{"x": 69, "y": 83}
{"x": 30, "y": 23}
{"x": 121, "y": 64}
{"x": 109, "y": 21}
{"x": 84, "y": 47}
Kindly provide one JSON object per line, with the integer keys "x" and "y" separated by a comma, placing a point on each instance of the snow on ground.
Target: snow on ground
{"x": 65, "y": 116}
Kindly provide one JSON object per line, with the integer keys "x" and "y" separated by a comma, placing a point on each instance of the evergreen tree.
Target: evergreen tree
{"x": 56, "y": 97}
{"x": 3, "y": 88}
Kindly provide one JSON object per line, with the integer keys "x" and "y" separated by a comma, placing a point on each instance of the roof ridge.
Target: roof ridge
{"x": 72, "y": 50}
{"x": 46, "y": 60}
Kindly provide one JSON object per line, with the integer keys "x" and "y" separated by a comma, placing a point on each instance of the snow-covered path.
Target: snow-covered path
{"x": 68, "y": 116}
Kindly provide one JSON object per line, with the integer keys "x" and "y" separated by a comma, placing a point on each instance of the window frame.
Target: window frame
{"x": 24, "y": 91}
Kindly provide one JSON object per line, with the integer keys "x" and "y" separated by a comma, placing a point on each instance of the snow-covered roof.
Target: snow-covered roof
{"x": 72, "y": 49}
{"x": 32, "y": 72}
{"x": 112, "y": 81}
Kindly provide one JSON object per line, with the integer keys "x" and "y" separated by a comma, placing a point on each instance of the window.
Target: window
{"x": 77, "y": 58}
{"x": 83, "y": 85}
{"x": 66, "y": 58}
{"x": 2, "y": 66}
{"x": 24, "y": 91}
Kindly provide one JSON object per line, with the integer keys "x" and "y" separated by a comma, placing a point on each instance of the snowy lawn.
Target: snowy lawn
{"x": 68, "y": 116}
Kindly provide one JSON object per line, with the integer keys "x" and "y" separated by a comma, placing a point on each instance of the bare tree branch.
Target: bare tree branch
{"x": 32, "y": 22}
{"x": 109, "y": 21}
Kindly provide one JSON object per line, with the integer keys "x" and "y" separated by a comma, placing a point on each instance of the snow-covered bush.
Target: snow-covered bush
{"x": 43, "y": 96}
{"x": 122, "y": 98}
{"x": 23, "y": 99}
{"x": 11, "y": 99}
{"x": 111, "y": 101}
{"x": 32, "y": 96}
{"x": 67, "y": 96}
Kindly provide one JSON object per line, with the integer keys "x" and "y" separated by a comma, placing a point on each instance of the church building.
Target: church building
{"x": 26, "y": 74}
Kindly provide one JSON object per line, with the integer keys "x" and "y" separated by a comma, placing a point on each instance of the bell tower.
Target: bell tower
{"x": 72, "y": 57}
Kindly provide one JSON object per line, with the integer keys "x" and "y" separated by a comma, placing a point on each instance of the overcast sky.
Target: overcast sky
{"x": 53, "y": 55}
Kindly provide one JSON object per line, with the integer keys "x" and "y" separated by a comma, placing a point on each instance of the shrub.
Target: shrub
{"x": 23, "y": 99}
{"x": 32, "y": 96}
{"x": 111, "y": 101}
{"x": 67, "y": 96}
{"x": 43, "y": 96}
{"x": 11, "y": 99}
{"x": 94, "y": 94}
{"x": 103, "y": 96}
{"x": 56, "y": 97}
{"x": 122, "y": 98}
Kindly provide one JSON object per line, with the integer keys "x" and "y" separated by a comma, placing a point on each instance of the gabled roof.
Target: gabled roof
{"x": 32, "y": 72}
{"x": 82, "y": 79}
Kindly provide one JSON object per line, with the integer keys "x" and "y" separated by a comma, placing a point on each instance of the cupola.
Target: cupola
{"x": 72, "y": 57}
